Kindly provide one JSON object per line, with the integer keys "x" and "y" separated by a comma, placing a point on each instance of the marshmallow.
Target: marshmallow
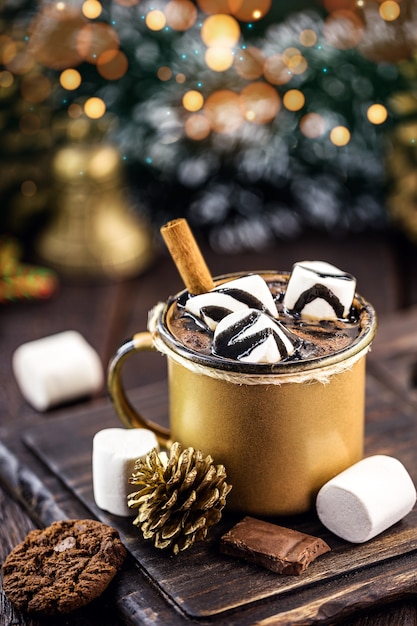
{"x": 252, "y": 336}
{"x": 57, "y": 369}
{"x": 115, "y": 451}
{"x": 319, "y": 291}
{"x": 243, "y": 293}
{"x": 366, "y": 499}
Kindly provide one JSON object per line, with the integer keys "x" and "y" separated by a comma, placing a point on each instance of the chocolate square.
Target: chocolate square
{"x": 279, "y": 549}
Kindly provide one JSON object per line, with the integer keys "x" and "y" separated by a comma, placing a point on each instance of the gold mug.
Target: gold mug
{"x": 280, "y": 430}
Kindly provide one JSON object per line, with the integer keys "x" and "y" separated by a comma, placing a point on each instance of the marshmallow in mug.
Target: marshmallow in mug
{"x": 366, "y": 499}
{"x": 319, "y": 290}
{"x": 115, "y": 451}
{"x": 57, "y": 369}
{"x": 247, "y": 292}
{"x": 253, "y": 337}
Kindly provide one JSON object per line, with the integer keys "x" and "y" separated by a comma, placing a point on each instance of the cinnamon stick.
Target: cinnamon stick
{"x": 187, "y": 256}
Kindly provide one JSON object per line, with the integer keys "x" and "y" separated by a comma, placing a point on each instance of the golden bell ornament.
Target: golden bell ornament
{"x": 94, "y": 232}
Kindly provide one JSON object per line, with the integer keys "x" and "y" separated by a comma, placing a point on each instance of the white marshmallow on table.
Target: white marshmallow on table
{"x": 366, "y": 499}
{"x": 319, "y": 290}
{"x": 56, "y": 369}
{"x": 252, "y": 336}
{"x": 115, "y": 451}
{"x": 249, "y": 291}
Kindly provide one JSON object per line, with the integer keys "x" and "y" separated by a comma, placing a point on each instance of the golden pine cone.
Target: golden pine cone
{"x": 179, "y": 500}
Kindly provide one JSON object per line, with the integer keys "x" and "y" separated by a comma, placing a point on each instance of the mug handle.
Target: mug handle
{"x": 140, "y": 342}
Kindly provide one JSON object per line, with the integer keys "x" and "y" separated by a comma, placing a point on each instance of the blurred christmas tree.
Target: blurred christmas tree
{"x": 253, "y": 119}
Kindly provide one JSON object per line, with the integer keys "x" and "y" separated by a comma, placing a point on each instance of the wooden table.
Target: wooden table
{"x": 106, "y": 313}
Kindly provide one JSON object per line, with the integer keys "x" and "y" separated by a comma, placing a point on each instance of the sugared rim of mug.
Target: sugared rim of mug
{"x": 363, "y": 341}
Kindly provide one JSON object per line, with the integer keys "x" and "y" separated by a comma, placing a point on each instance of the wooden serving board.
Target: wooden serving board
{"x": 201, "y": 586}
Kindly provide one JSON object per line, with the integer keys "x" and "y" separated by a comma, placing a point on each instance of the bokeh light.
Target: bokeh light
{"x": 79, "y": 128}
{"x": 308, "y": 38}
{"x": 70, "y": 79}
{"x": 276, "y": 71}
{"x": 223, "y": 111}
{"x": 164, "y": 73}
{"x": 407, "y": 133}
{"x": 294, "y": 60}
{"x": 312, "y": 125}
{"x": 180, "y": 14}
{"x": 54, "y": 30}
{"x": 290, "y": 53}
{"x": 249, "y": 63}
{"x": 249, "y": 10}
{"x": 389, "y": 10}
{"x": 197, "y": 127}
{"x": 219, "y": 59}
{"x": 293, "y": 100}
{"x": 8, "y": 49}
{"x": 193, "y": 100}
{"x": 6, "y": 79}
{"x": 94, "y": 39}
{"x": 75, "y": 111}
{"x": 260, "y": 102}
{"x": 155, "y": 20}
{"x": 220, "y": 30}
{"x": 28, "y": 188}
{"x": 340, "y": 136}
{"x": 94, "y": 108}
{"x": 112, "y": 64}
{"x": 21, "y": 62}
{"x": 91, "y": 9}
{"x": 377, "y": 114}
{"x": 213, "y": 6}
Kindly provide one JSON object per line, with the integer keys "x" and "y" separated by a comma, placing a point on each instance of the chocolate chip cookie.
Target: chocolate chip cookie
{"x": 62, "y": 567}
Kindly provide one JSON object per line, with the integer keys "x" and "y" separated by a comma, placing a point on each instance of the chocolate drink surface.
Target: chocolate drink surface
{"x": 315, "y": 339}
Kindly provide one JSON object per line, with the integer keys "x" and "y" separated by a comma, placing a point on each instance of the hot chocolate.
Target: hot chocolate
{"x": 312, "y": 339}
{"x": 266, "y": 373}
